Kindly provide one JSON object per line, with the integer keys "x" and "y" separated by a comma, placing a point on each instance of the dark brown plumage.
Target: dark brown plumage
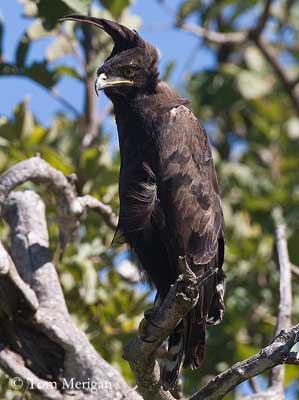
{"x": 169, "y": 200}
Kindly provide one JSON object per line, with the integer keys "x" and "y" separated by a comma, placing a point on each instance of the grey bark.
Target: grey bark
{"x": 39, "y": 342}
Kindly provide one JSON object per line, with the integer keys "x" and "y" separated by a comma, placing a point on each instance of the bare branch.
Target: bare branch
{"x": 90, "y": 112}
{"x": 69, "y": 206}
{"x": 295, "y": 270}
{"x": 274, "y": 354}
{"x": 285, "y": 298}
{"x": 54, "y": 93}
{"x": 14, "y": 366}
{"x": 258, "y": 29}
{"x": 254, "y": 385}
{"x": 104, "y": 210}
{"x": 213, "y": 36}
{"x": 269, "y": 54}
{"x": 229, "y": 37}
{"x": 18, "y": 296}
{"x": 46, "y": 346}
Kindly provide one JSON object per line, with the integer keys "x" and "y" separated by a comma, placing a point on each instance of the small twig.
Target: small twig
{"x": 295, "y": 270}
{"x": 104, "y": 210}
{"x": 254, "y": 385}
{"x": 270, "y": 56}
{"x": 53, "y": 92}
{"x": 75, "y": 50}
{"x": 256, "y": 32}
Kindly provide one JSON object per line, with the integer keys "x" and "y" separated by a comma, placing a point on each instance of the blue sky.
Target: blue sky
{"x": 157, "y": 28}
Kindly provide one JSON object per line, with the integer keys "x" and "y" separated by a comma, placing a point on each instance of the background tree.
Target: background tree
{"x": 248, "y": 99}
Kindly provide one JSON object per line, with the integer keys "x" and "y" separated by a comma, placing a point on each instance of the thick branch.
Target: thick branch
{"x": 47, "y": 346}
{"x": 25, "y": 378}
{"x": 69, "y": 206}
{"x": 18, "y": 296}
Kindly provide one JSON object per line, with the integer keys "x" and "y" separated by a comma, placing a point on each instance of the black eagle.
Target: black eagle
{"x": 169, "y": 198}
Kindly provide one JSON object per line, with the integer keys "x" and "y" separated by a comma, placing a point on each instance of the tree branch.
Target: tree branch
{"x": 295, "y": 270}
{"x": 31, "y": 297}
{"x": 268, "y": 53}
{"x": 45, "y": 346}
{"x": 229, "y": 37}
{"x": 19, "y": 297}
{"x": 285, "y": 298}
{"x": 70, "y": 207}
{"x": 274, "y": 354}
{"x": 156, "y": 327}
{"x": 213, "y": 36}
{"x": 90, "y": 112}
{"x": 258, "y": 29}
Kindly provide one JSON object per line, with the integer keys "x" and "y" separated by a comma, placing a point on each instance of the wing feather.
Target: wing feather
{"x": 189, "y": 185}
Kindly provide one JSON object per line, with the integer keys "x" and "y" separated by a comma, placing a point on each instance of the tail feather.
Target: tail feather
{"x": 195, "y": 337}
{"x": 186, "y": 345}
{"x": 173, "y": 364}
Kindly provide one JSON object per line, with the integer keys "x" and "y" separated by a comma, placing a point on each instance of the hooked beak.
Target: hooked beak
{"x": 103, "y": 82}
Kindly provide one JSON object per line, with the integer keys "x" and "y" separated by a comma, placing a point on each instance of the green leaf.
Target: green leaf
{"x": 40, "y": 72}
{"x": 24, "y": 121}
{"x": 22, "y": 50}
{"x": 168, "y": 70}
{"x": 116, "y": 7}
{"x": 56, "y": 160}
{"x": 49, "y": 14}
{"x": 9, "y": 69}
{"x": 187, "y": 8}
{"x": 66, "y": 70}
{"x": 80, "y": 6}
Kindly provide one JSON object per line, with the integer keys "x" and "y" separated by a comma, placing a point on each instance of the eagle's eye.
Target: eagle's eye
{"x": 129, "y": 72}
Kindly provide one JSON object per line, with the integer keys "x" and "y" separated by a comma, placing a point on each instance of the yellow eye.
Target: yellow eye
{"x": 129, "y": 72}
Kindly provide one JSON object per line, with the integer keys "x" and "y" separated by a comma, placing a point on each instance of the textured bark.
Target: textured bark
{"x": 39, "y": 342}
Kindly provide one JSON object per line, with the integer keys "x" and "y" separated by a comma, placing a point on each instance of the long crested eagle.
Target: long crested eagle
{"x": 168, "y": 191}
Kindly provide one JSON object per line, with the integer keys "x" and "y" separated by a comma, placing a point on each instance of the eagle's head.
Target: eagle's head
{"x": 132, "y": 66}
